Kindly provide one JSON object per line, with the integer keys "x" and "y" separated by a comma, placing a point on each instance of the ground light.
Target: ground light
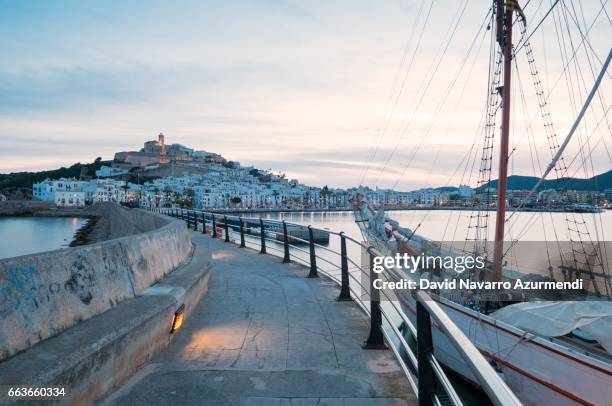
{"x": 177, "y": 322}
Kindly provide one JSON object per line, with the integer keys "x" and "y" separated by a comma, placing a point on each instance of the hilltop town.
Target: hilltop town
{"x": 163, "y": 175}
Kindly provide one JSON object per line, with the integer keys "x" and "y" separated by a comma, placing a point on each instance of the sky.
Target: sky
{"x": 384, "y": 93}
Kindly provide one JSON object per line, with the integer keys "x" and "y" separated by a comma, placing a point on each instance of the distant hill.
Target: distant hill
{"x": 24, "y": 180}
{"x": 598, "y": 183}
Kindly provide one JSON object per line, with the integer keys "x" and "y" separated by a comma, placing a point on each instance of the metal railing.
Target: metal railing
{"x": 423, "y": 370}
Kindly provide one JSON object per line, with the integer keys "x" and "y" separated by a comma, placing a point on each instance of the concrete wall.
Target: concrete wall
{"x": 92, "y": 358}
{"x": 43, "y": 294}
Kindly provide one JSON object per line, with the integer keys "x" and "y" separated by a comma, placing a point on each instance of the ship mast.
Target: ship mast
{"x": 504, "y": 37}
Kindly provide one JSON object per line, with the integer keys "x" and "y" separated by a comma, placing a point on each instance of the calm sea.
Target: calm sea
{"x": 452, "y": 225}
{"x": 28, "y": 235}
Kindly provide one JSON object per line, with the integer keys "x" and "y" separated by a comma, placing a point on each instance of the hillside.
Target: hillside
{"x": 599, "y": 182}
{"x": 23, "y": 181}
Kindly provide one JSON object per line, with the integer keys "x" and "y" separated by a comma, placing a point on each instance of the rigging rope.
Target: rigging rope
{"x": 398, "y": 95}
{"x": 437, "y": 61}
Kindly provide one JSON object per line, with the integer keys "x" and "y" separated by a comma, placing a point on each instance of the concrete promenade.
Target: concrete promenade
{"x": 267, "y": 335}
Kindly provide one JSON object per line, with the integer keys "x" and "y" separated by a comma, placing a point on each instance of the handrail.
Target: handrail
{"x": 495, "y": 387}
{"x": 425, "y": 364}
{"x": 280, "y": 222}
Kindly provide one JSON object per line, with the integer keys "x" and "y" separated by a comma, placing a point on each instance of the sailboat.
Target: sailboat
{"x": 549, "y": 352}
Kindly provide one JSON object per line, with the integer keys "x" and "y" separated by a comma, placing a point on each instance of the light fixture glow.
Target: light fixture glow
{"x": 177, "y": 322}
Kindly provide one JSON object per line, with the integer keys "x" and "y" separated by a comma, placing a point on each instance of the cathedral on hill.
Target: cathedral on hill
{"x": 157, "y": 152}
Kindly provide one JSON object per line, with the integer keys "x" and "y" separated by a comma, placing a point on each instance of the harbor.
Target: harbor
{"x": 306, "y": 203}
{"x": 27, "y": 235}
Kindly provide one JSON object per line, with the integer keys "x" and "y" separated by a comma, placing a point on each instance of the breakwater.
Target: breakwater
{"x": 43, "y": 294}
{"x": 23, "y": 207}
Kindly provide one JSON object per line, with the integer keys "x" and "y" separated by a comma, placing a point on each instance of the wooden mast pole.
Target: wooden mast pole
{"x": 502, "y": 183}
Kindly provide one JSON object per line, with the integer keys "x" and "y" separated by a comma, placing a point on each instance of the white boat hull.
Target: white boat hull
{"x": 540, "y": 372}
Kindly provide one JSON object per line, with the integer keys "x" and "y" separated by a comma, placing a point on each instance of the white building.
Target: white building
{"x": 75, "y": 193}
{"x": 108, "y": 171}
{"x": 549, "y": 197}
{"x": 49, "y": 190}
{"x": 66, "y": 198}
{"x": 466, "y": 192}
{"x": 608, "y": 195}
{"x": 427, "y": 197}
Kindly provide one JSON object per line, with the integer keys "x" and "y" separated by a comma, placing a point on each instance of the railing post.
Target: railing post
{"x": 195, "y": 221}
{"x": 376, "y": 339}
{"x": 226, "y": 229}
{"x": 242, "y": 244}
{"x": 427, "y": 382}
{"x": 345, "y": 291}
{"x": 262, "y": 236}
{"x": 213, "y": 232}
{"x": 313, "y": 255}
{"x": 203, "y": 223}
{"x": 188, "y": 219}
{"x": 286, "y": 257}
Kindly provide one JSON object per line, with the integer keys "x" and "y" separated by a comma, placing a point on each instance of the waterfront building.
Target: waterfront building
{"x": 76, "y": 193}
{"x": 49, "y": 190}
{"x": 407, "y": 199}
{"x": 465, "y": 192}
{"x": 69, "y": 198}
{"x": 486, "y": 195}
{"x": 549, "y": 197}
{"x": 608, "y": 196}
{"x": 522, "y": 197}
{"x": 428, "y": 197}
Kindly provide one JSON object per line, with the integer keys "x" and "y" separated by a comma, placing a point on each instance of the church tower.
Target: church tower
{"x": 162, "y": 145}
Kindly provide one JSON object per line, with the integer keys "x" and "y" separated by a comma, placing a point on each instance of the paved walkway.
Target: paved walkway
{"x": 266, "y": 335}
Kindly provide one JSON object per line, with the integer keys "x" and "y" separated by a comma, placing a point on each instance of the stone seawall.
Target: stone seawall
{"x": 23, "y": 207}
{"x": 43, "y": 294}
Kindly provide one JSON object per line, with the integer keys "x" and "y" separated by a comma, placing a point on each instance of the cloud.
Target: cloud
{"x": 301, "y": 87}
